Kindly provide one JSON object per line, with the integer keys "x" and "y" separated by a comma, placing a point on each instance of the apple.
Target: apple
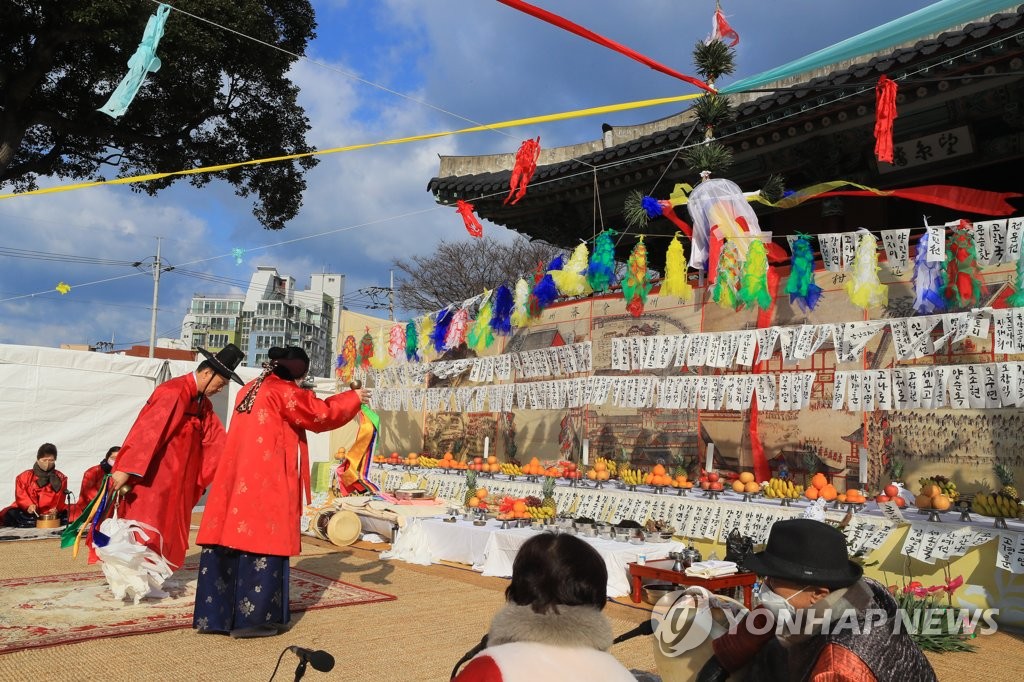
{"x": 900, "y": 502}
{"x": 892, "y": 491}
{"x": 713, "y": 477}
{"x": 881, "y": 499}
{"x": 715, "y": 485}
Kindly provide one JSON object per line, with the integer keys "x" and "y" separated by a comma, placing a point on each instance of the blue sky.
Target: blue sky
{"x": 476, "y": 59}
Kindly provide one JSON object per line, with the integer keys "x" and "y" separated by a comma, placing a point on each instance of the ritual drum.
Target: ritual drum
{"x": 337, "y": 526}
{"x": 48, "y": 520}
{"x": 686, "y": 622}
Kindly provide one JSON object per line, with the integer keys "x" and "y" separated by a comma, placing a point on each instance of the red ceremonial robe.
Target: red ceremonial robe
{"x": 173, "y": 448}
{"x": 255, "y": 500}
{"x": 27, "y": 492}
{"x": 91, "y": 480}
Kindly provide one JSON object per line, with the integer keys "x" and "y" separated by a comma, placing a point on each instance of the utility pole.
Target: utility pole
{"x": 156, "y": 295}
{"x": 391, "y": 298}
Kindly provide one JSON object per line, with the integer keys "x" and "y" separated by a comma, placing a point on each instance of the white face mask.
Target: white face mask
{"x": 775, "y": 602}
{"x": 110, "y": 461}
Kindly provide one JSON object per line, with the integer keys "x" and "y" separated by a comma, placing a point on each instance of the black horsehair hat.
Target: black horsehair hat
{"x": 225, "y": 361}
{"x": 806, "y": 552}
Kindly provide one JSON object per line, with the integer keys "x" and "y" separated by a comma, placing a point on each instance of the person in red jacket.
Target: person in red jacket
{"x": 250, "y": 524}
{"x": 40, "y": 490}
{"x": 171, "y": 452}
{"x": 91, "y": 480}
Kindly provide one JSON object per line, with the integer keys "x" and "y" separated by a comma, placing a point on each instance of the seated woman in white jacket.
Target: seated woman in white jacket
{"x": 552, "y": 627}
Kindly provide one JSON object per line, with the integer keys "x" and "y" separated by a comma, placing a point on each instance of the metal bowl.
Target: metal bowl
{"x": 655, "y": 591}
{"x": 657, "y": 536}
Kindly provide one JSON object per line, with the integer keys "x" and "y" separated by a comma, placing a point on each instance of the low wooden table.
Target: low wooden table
{"x": 661, "y": 569}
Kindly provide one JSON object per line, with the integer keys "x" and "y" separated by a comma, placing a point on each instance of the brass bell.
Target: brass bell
{"x": 355, "y": 384}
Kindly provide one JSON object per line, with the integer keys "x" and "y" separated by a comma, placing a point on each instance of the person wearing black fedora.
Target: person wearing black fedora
{"x": 172, "y": 450}
{"x": 818, "y": 618}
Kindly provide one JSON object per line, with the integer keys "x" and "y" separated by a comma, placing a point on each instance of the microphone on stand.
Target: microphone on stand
{"x": 320, "y": 660}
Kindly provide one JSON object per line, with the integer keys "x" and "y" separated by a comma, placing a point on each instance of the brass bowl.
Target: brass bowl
{"x": 48, "y": 520}
{"x": 655, "y": 591}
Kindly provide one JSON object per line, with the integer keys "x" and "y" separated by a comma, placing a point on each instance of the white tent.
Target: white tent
{"x": 83, "y": 403}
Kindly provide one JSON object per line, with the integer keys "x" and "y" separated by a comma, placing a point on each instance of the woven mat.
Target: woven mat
{"x": 61, "y": 609}
{"x": 17, "y": 534}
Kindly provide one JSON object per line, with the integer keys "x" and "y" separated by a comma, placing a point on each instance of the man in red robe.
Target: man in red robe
{"x": 171, "y": 453}
{"x": 250, "y": 525}
{"x": 91, "y": 480}
{"x": 37, "y": 491}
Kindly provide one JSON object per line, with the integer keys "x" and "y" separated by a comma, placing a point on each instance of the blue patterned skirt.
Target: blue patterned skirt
{"x": 239, "y": 590}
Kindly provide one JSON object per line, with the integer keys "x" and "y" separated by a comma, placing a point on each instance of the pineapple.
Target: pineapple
{"x": 1005, "y": 477}
{"x": 548, "y": 491}
{"x": 470, "y": 485}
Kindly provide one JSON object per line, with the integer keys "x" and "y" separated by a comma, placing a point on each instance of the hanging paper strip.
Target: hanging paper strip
{"x": 143, "y": 62}
{"x": 354, "y": 473}
{"x": 562, "y": 23}
{"x": 722, "y": 30}
{"x": 754, "y": 278}
{"x": 521, "y": 309}
{"x": 457, "y": 329}
{"x": 501, "y": 322}
{"x": 396, "y": 341}
{"x": 637, "y": 284}
{"x": 727, "y": 279}
{"x": 480, "y": 335}
{"x": 411, "y": 340}
{"x": 365, "y": 350}
{"x": 864, "y": 288}
{"x": 601, "y": 271}
{"x": 961, "y": 280}
{"x": 675, "y": 282}
{"x": 571, "y": 280}
{"x": 801, "y": 287}
{"x": 523, "y": 170}
{"x": 544, "y": 290}
{"x": 927, "y": 280}
{"x": 885, "y": 114}
{"x": 381, "y": 357}
{"x": 469, "y": 219}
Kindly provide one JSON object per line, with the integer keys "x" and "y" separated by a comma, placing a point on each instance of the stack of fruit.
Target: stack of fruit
{"x": 630, "y": 476}
{"x": 533, "y": 468}
{"x": 511, "y": 469}
{"x": 412, "y": 460}
{"x": 393, "y": 458}
{"x": 931, "y": 497}
{"x": 852, "y": 496}
{"x": 1005, "y": 503}
{"x": 711, "y": 481}
{"x": 891, "y": 493}
{"x": 658, "y": 477}
{"x": 448, "y": 461}
{"x": 478, "y": 500}
{"x": 680, "y": 480}
{"x": 779, "y": 489}
{"x": 491, "y": 466}
{"x": 746, "y": 484}
{"x": 570, "y": 471}
{"x": 946, "y": 486}
{"x": 512, "y": 508}
{"x": 600, "y": 470}
{"x": 428, "y": 462}
{"x": 820, "y": 487}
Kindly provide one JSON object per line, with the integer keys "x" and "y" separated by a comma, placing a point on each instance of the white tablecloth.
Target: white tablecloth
{"x": 492, "y": 551}
{"x": 503, "y": 546}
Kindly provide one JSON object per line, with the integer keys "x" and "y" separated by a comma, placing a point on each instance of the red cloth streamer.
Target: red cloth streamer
{"x": 522, "y": 172}
{"x": 885, "y": 114}
{"x": 963, "y": 199}
{"x": 668, "y": 212}
{"x": 473, "y": 226}
{"x": 560, "y": 22}
{"x": 762, "y": 471}
{"x": 723, "y": 30}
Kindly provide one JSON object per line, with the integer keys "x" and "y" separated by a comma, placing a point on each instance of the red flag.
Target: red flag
{"x": 722, "y": 30}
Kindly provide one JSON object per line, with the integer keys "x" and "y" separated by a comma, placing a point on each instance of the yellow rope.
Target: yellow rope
{"x": 593, "y": 111}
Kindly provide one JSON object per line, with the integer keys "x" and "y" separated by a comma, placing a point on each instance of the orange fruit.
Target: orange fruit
{"x": 819, "y": 481}
{"x": 738, "y": 486}
{"x": 829, "y": 492}
{"x": 923, "y": 502}
{"x": 602, "y": 475}
{"x": 746, "y": 477}
{"x": 473, "y": 502}
{"x": 519, "y": 507}
{"x": 811, "y": 493}
{"x": 592, "y": 474}
{"x": 481, "y": 493}
{"x": 492, "y": 459}
{"x": 941, "y": 502}
{"x": 659, "y": 470}
{"x": 751, "y": 487}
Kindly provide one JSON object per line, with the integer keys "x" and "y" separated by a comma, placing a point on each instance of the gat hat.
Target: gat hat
{"x": 806, "y": 552}
{"x": 344, "y": 528}
{"x": 225, "y": 361}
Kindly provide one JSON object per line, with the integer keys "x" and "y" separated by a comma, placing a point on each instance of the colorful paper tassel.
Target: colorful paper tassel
{"x": 637, "y": 284}
{"x": 480, "y": 335}
{"x": 426, "y": 336}
{"x": 521, "y": 309}
{"x": 754, "y": 278}
{"x": 864, "y": 288}
{"x": 675, "y": 282}
{"x": 727, "y": 278}
{"x": 544, "y": 290}
{"x": 381, "y": 352}
{"x": 396, "y": 341}
{"x": 601, "y": 271}
{"x": 885, "y": 115}
{"x": 802, "y": 289}
{"x": 961, "y": 280}
{"x": 469, "y": 219}
{"x": 347, "y": 360}
{"x": 411, "y": 339}
{"x": 457, "y": 329}
{"x": 366, "y": 349}
{"x": 523, "y": 170}
{"x": 571, "y": 280}
{"x": 441, "y": 324}
{"x": 927, "y": 281}
{"x": 501, "y": 322}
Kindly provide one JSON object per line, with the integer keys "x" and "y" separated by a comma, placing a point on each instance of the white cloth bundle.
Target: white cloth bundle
{"x": 132, "y": 569}
{"x": 815, "y": 510}
{"x": 711, "y": 569}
